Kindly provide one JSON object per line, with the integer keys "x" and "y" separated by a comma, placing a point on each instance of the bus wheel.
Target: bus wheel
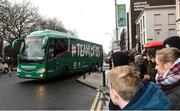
{"x": 64, "y": 71}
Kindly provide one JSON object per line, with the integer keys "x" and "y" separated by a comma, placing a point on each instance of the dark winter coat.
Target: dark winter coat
{"x": 149, "y": 97}
{"x": 151, "y": 71}
{"x": 173, "y": 94}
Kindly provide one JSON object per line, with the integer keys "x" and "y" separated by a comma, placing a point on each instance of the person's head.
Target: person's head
{"x": 144, "y": 52}
{"x": 173, "y": 41}
{"x": 151, "y": 52}
{"x": 165, "y": 59}
{"x": 124, "y": 83}
{"x": 139, "y": 59}
{"x": 131, "y": 57}
{"x": 120, "y": 58}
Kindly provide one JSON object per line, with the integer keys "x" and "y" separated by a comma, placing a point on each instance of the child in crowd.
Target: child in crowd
{"x": 127, "y": 92}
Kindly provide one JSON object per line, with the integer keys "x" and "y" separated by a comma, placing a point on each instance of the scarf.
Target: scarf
{"x": 171, "y": 77}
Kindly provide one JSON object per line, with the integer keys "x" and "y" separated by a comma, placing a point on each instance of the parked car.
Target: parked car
{"x": 3, "y": 66}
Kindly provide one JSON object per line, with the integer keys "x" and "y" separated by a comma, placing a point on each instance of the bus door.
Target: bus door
{"x": 61, "y": 56}
{"x": 51, "y": 71}
{"x": 58, "y": 61}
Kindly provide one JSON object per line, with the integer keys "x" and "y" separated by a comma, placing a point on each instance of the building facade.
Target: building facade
{"x": 156, "y": 23}
{"x": 178, "y": 16}
{"x": 136, "y": 6}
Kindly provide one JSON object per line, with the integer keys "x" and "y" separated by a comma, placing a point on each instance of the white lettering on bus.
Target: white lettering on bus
{"x": 82, "y": 50}
{"x": 74, "y": 51}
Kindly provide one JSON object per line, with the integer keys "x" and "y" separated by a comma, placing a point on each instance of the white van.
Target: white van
{"x": 3, "y": 66}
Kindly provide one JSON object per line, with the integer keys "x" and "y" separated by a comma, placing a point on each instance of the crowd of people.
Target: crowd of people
{"x": 148, "y": 80}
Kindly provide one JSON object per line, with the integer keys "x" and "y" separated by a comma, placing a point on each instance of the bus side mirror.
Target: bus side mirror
{"x": 15, "y": 42}
{"x": 45, "y": 40}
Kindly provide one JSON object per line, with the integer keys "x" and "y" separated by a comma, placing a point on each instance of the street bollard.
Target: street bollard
{"x": 84, "y": 76}
{"x": 104, "y": 79}
{"x": 10, "y": 74}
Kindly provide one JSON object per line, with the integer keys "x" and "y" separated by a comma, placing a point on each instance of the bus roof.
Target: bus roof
{"x": 51, "y": 33}
{"x": 54, "y": 34}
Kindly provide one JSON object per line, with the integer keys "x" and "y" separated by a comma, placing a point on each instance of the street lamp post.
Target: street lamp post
{"x": 116, "y": 20}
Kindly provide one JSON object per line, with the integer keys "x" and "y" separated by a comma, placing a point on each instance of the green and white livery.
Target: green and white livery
{"x": 45, "y": 54}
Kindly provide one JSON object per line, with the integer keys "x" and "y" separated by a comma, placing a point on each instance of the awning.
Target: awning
{"x": 153, "y": 44}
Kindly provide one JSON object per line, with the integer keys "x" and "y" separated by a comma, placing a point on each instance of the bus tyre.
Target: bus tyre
{"x": 64, "y": 71}
{"x": 6, "y": 70}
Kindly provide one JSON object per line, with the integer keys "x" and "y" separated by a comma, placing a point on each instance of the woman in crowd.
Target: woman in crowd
{"x": 140, "y": 65}
{"x": 151, "y": 71}
{"x": 168, "y": 74}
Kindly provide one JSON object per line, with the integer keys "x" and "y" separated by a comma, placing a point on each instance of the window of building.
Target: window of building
{"x": 178, "y": 25}
{"x": 143, "y": 23}
{"x": 157, "y": 34}
{"x": 178, "y": 9}
{"x": 144, "y": 37}
{"x": 137, "y": 29}
{"x": 172, "y": 32}
{"x": 157, "y": 19}
{"x": 171, "y": 19}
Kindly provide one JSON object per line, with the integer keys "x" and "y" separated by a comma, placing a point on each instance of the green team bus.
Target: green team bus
{"x": 48, "y": 53}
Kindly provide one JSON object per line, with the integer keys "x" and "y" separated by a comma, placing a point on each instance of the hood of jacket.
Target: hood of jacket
{"x": 149, "y": 97}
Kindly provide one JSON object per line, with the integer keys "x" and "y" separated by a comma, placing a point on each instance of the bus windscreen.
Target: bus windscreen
{"x": 33, "y": 49}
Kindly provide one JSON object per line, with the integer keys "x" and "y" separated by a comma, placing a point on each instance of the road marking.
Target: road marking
{"x": 95, "y": 102}
{"x": 99, "y": 106}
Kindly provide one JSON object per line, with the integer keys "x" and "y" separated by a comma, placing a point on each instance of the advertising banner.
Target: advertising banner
{"x": 121, "y": 15}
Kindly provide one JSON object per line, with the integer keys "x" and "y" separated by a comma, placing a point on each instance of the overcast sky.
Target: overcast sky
{"x": 91, "y": 19}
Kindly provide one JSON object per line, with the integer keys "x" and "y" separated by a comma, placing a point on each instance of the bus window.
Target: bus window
{"x": 51, "y": 50}
{"x": 61, "y": 45}
{"x": 50, "y": 54}
{"x": 33, "y": 49}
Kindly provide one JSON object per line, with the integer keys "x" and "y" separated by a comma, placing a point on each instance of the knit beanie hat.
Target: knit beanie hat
{"x": 173, "y": 41}
{"x": 120, "y": 58}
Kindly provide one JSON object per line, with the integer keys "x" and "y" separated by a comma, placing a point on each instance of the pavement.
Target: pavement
{"x": 98, "y": 81}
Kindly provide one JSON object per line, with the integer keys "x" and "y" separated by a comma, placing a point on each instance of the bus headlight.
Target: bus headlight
{"x": 42, "y": 70}
{"x": 41, "y": 75}
{"x": 18, "y": 70}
